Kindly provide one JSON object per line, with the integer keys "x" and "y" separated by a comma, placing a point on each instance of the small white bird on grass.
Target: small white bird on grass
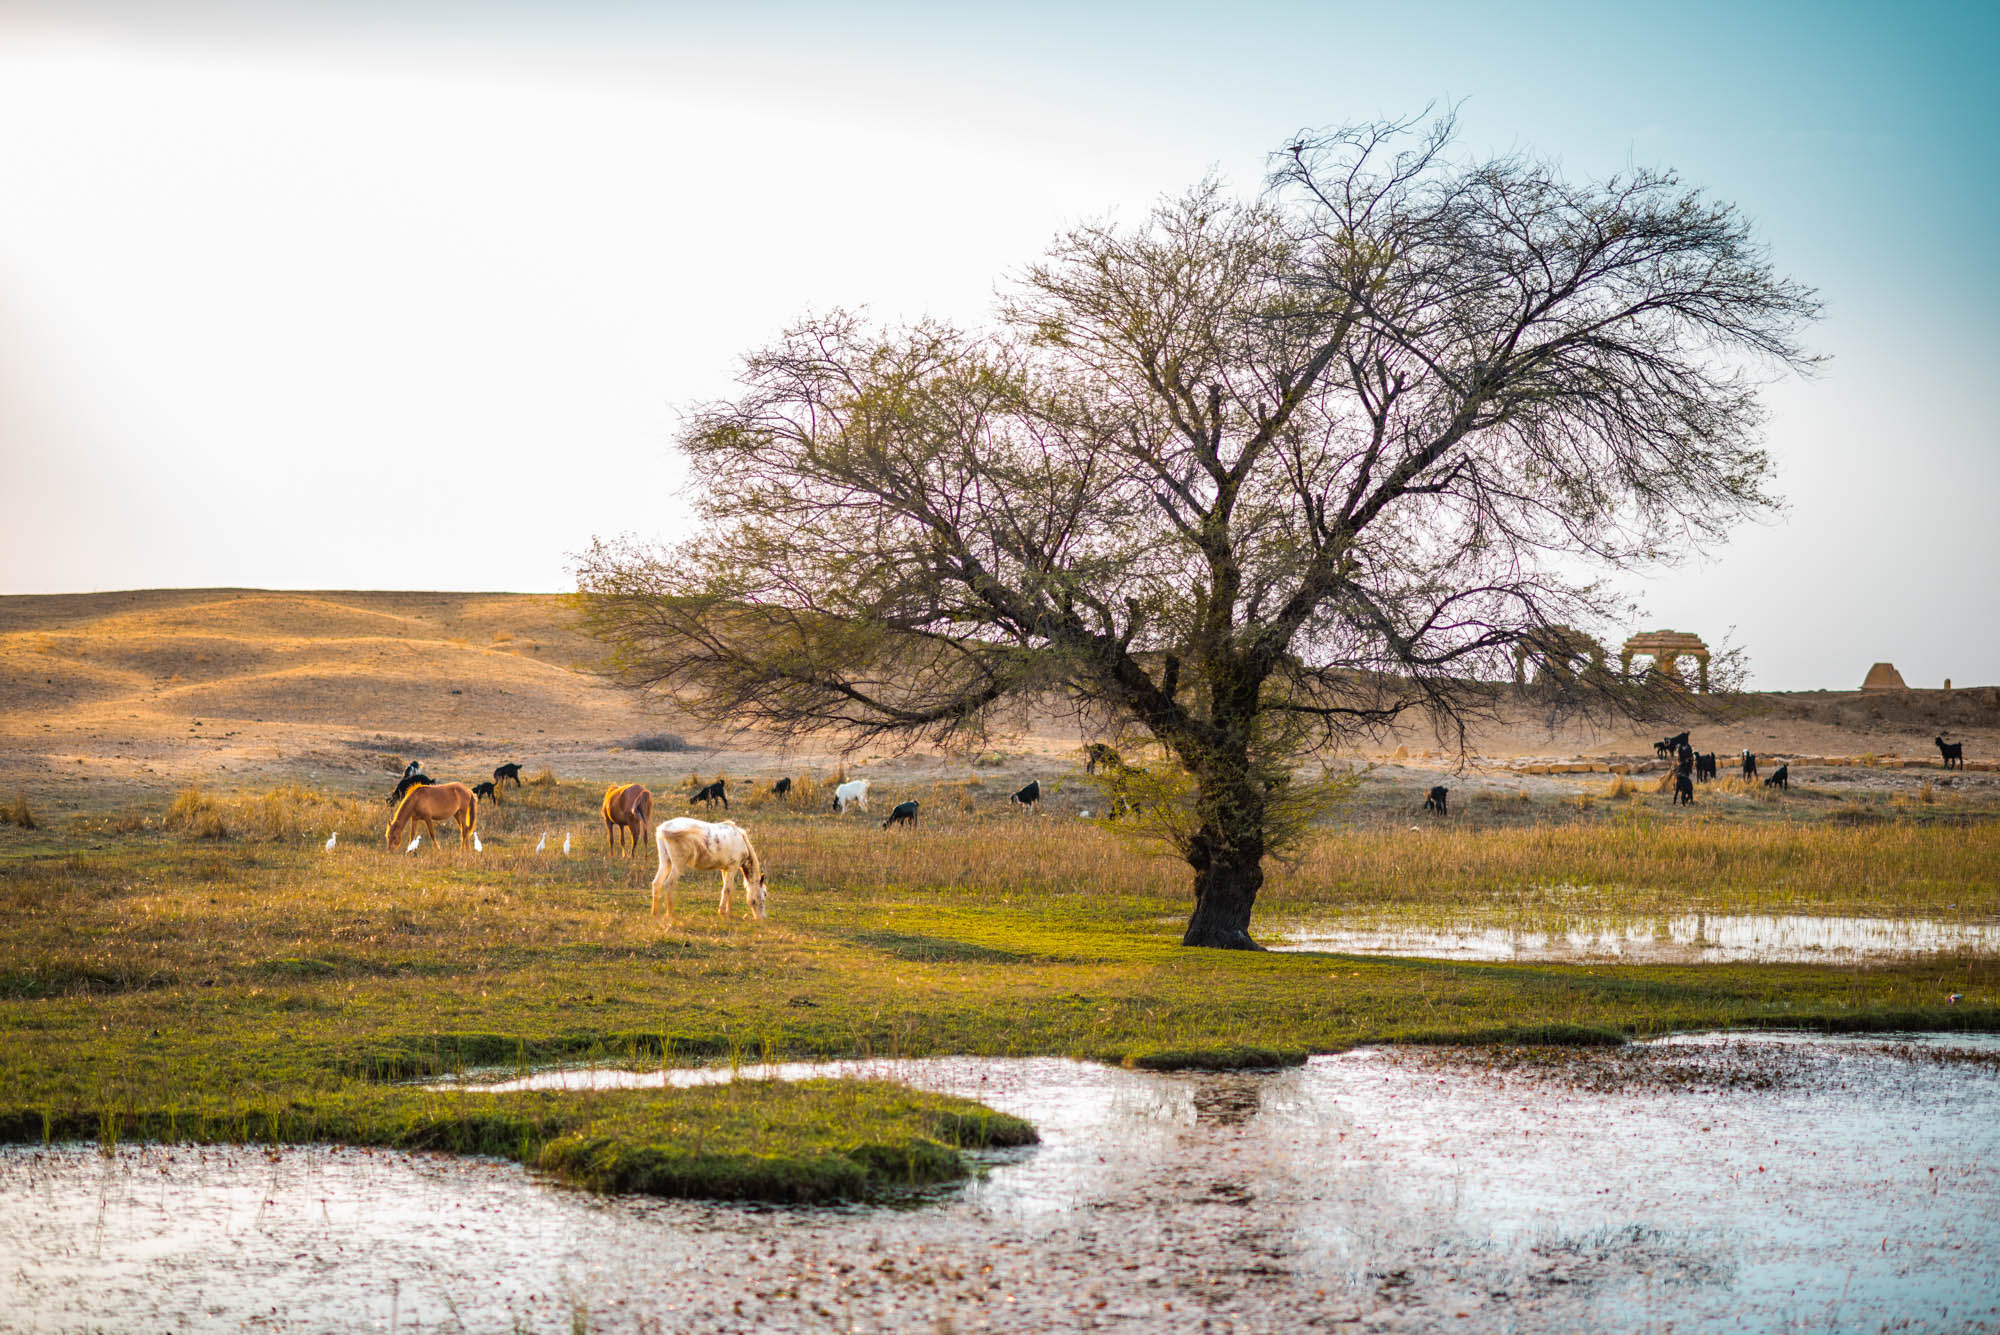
{"x": 477, "y": 847}
{"x": 542, "y": 842}
{"x": 413, "y": 844}
{"x": 565, "y": 843}
{"x": 331, "y": 840}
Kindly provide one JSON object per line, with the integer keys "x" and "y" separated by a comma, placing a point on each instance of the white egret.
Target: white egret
{"x": 477, "y": 847}
{"x": 331, "y": 840}
{"x": 565, "y": 843}
{"x": 542, "y": 842}
{"x": 413, "y": 844}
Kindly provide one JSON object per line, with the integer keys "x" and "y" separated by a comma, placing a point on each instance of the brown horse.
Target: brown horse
{"x": 627, "y": 810}
{"x": 436, "y": 801}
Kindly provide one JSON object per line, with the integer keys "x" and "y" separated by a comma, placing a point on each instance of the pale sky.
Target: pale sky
{"x": 317, "y": 295}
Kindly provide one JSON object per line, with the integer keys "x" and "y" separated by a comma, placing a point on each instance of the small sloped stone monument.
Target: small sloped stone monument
{"x": 1884, "y": 677}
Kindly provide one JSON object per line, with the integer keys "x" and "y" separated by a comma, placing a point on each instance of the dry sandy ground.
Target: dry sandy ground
{"x": 117, "y": 696}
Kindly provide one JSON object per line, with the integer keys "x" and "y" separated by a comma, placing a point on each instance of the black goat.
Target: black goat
{"x": 1683, "y": 789}
{"x": 710, "y": 795}
{"x": 1030, "y": 795}
{"x": 485, "y": 790}
{"x": 412, "y": 778}
{"x": 781, "y": 788}
{"x": 1952, "y": 752}
{"x": 1671, "y": 746}
{"x": 1749, "y": 765}
{"x": 506, "y": 772}
{"x": 904, "y": 814}
{"x": 1781, "y": 777}
{"x": 1704, "y": 767}
{"x": 1436, "y": 800}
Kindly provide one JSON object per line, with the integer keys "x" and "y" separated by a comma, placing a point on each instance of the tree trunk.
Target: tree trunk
{"x": 1228, "y": 872}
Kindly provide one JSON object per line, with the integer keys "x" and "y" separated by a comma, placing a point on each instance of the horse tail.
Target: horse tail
{"x": 471, "y": 813}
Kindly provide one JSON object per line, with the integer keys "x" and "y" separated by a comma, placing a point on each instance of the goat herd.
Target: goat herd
{"x": 1692, "y": 767}
{"x": 684, "y": 843}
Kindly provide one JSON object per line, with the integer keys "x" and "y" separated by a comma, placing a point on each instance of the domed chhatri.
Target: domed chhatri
{"x": 1666, "y": 648}
{"x": 1559, "y": 652}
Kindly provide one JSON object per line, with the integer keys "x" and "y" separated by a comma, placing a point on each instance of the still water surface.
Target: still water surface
{"x": 1709, "y": 1183}
{"x": 1688, "y": 939}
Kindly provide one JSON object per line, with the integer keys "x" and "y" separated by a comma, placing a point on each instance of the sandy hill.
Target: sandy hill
{"x": 162, "y": 686}
{"x": 336, "y": 675}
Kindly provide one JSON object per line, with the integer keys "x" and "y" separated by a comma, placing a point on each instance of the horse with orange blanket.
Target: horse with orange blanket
{"x": 628, "y": 809}
{"x": 436, "y": 801}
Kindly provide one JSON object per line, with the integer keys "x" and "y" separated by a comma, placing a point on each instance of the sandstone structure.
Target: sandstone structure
{"x": 1884, "y": 677}
{"x": 1666, "y": 648}
{"x": 1564, "y": 652}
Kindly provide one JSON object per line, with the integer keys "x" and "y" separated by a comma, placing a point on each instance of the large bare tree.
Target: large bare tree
{"x": 1256, "y": 478}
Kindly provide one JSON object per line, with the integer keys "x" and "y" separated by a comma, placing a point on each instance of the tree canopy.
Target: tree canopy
{"x": 1255, "y": 477}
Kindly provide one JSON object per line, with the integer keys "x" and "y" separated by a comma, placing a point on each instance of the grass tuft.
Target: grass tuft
{"x": 19, "y": 813}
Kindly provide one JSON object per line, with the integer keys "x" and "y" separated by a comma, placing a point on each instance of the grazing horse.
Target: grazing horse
{"x": 710, "y": 795}
{"x": 904, "y": 814}
{"x": 1781, "y": 777}
{"x": 1953, "y": 752}
{"x": 1030, "y": 795}
{"x": 1435, "y": 802}
{"x": 1749, "y": 765}
{"x": 853, "y": 793}
{"x": 485, "y": 790}
{"x": 436, "y": 801}
{"x": 782, "y": 789}
{"x": 506, "y": 772}
{"x": 407, "y": 782}
{"x": 628, "y": 809}
{"x": 687, "y": 844}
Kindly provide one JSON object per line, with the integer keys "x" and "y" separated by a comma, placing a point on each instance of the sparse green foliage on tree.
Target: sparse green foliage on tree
{"x": 1255, "y": 478}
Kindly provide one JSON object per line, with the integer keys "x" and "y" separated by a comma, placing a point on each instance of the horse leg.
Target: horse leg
{"x": 669, "y": 874}
{"x": 723, "y": 908}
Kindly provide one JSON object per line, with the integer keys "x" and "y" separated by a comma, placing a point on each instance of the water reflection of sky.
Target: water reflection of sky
{"x": 1742, "y": 1183}
{"x": 1705, "y": 938}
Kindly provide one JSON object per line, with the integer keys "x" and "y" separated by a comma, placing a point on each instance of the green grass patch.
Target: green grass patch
{"x": 160, "y": 982}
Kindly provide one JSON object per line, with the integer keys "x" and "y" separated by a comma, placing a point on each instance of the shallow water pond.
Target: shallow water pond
{"x": 1762, "y": 1182}
{"x": 1688, "y": 939}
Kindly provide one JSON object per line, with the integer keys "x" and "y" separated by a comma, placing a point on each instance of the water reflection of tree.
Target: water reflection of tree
{"x": 1227, "y": 1100}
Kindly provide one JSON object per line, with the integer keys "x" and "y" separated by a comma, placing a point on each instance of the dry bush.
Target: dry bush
{"x": 542, "y": 778}
{"x": 1621, "y": 786}
{"x": 658, "y": 741}
{"x": 1518, "y": 798}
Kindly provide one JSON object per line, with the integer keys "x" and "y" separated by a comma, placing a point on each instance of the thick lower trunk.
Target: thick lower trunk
{"x": 1226, "y": 881}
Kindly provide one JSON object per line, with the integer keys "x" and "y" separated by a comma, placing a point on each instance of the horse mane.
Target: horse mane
{"x": 404, "y": 801}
